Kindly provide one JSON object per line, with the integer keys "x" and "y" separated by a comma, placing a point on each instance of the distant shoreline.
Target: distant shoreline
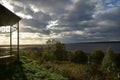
{"x": 85, "y": 46}
{"x": 65, "y": 43}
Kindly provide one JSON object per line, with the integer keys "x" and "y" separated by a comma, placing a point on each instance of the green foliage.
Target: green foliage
{"x": 109, "y": 66}
{"x": 30, "y": 69}
{"x": 108, "y": 60}
{"x": 74, "y": 72}
{"x": 50, "y": 47}
{"x": 32, "y": 53}
{"x": 33, "y": 71}
{"x": 54, "y": 50}
{"x": 91, "y": 72}
{"x": 48, "y": 56}
{"x": 23, "y": 53}
{"x": 79, "y": 57}
{"x": 117, "y": 59}
{"x": 12, "y": 71}
{"x": 60, "y": 52}
{"x": 96, "y": 56}
{"x": 69, "y": 55}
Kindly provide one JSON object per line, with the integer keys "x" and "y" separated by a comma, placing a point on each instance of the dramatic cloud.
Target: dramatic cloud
{"x": 68, "y": 20}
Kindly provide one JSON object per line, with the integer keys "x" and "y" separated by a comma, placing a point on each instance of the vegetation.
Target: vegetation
{"x": 96, "y": 57}
{"x": 54, "y": 62}
{"x": 28, "y": 70}
{"x": 33, "y": 71}
{"x": 109, "y": 65}
{"x": 108, "y": 60}
{"x": 60, "y": 52}
{"x": 79, "y": 57}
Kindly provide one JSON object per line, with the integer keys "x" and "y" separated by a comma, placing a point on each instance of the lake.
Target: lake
{"x": 86, "y": 46}
{"x": 90, "y": 46}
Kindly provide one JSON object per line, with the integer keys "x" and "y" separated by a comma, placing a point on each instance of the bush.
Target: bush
{"x": 34, "y": 71}
{"x": 32, "y": 53}
{"x": 117, "y": 59}
{"x": 79, "y": 57}
{"x": 109, "y": 66}
{"x": 96, "y": 56}
{"x": 48, "y": 56}
{"x": 108, "y": 60}
{"x": 60, "y": 52}
{"x": 69, "y": 54}
{"x": 56, "y": 49}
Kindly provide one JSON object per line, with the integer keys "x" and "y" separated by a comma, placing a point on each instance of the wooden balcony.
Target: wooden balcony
{"x": 8, "y": 18}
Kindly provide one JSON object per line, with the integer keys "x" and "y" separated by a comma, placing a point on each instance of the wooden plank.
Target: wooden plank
{"x": 6, "y": 56}
{"x": 7, "y": 59}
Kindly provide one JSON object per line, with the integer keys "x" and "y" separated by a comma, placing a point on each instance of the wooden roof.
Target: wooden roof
{"x": 7, "y": 18}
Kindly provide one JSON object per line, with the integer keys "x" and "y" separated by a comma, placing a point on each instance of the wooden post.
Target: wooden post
{"x": 10, "y": 40}
{"x": 18, "y": 41}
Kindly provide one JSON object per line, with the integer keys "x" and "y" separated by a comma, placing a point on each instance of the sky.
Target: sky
{"x": 69, "y": 21}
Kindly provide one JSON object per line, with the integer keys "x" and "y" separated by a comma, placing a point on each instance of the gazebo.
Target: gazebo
{"x": 8, "y": 18}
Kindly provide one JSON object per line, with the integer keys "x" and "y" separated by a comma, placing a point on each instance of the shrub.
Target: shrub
{"x": 79, "y": 57}
{"x": 56, "y": 49}
{"x": 117, "y": 59}
{"x": 48, "y": 56}
{"x": 69, "y": 54}
{"x": 60, "y": 52}
{"x": 32, "y": 53}
{"x": 108, "y": 60}
{"x": 96, "y": 56}
{"x": 34, "y": 71}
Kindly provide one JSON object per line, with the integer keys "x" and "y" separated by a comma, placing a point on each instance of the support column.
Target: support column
{"x": 18, "y": 41}
{"x": 10, "y": 40}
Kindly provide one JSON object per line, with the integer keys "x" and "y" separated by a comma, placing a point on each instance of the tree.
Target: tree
{"x": 108, "y": 60}
{"x": 50, "y": 46}
{"x": 60, "y": 51}
{"x": 56, "y": 49}
{"x": 79, "y": 57}
{"x": 96, "y": 56}
{"x": 109, "y": 66}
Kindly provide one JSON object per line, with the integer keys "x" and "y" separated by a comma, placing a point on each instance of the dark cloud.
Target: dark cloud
{"x": 83, "y": 10}
{"x": 54, "y": 6}
{"x": 72, "y": 15}
{"x": 31, "y": 30}
{"x": 110, "y": 15}
{"x": 40, "y": 20}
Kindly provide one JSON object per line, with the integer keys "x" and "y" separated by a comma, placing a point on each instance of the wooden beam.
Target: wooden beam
{"x": 18, "y": 41}
{"x": 10, "y": 41}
